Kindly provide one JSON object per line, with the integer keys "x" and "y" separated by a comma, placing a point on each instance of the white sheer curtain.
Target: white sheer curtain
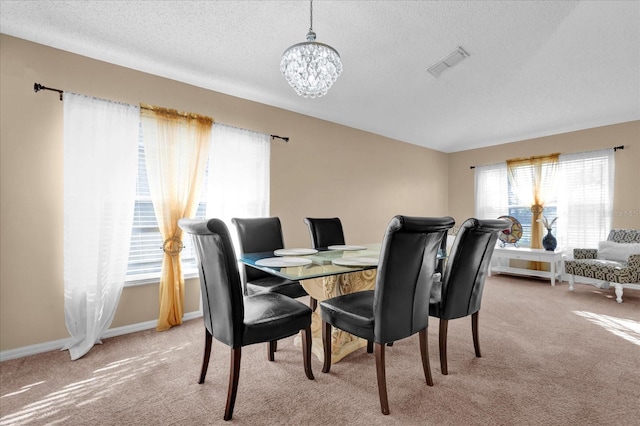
{"x": 100, "y": 167}
{"x": 492, "y": 199}
{"x": 238, "y": 178}
{"x": 585, "y": 198}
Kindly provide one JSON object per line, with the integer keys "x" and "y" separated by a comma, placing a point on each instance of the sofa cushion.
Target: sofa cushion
{"x": 624, "y": 235}
{"x": 619, "y": 252}
{"x": 607, "y": 270}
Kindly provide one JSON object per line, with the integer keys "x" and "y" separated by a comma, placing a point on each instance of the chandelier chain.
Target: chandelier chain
{"x": 311, "y": 15}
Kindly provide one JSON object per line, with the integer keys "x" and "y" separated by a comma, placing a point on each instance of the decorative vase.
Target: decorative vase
{"x": 549, "y": 242}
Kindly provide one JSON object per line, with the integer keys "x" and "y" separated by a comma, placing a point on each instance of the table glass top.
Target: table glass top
{"x": 321, "y": 263}
{"x": 320, "y": 266}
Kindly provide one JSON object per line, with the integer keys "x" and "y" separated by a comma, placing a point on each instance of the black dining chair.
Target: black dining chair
{"x": 459, "y": 293}
{"x": 259, "y": 235}
{"x": 325, "y": 232}
{"x": 397, "y": 307}
{"x": 265, "y": 234}
{"x": 232, "y": 318}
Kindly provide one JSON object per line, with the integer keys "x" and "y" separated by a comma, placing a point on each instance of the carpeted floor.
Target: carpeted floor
{"x": 550, "y": 357}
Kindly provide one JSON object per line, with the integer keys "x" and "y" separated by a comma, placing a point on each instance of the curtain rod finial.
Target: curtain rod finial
{"x": 38, "y": 87}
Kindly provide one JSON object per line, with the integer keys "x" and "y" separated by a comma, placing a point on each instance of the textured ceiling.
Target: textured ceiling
{"x": 535, "y": 68}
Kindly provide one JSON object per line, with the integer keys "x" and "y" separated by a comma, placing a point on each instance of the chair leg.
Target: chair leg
{"x": 474, "y": 331}
{"x": 424, "y": 352}
{"x": 306, "y": 352}
{"x": 326, "y": 344}
{"x": 207, "y": 354}
{"x": 571, "y": 280}
{"x": 271, "y": 349}
{"x": 619, "y": 292}
{"x": 369, "y": 346}
{"x": 313, "y": 303}
{"x": 234, "y": 376}
{"x": 443, "y": 346}
{"x": 382, "y": 378}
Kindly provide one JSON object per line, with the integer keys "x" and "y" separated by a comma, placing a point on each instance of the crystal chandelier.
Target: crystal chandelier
{"x": 311, "y": 67}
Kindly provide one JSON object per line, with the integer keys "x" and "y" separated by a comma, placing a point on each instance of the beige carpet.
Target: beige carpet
{"x": 550, "y": 357}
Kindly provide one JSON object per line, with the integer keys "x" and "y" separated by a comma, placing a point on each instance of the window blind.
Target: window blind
{"x": 585, "y": 198}
{"x": 145, "y": 258}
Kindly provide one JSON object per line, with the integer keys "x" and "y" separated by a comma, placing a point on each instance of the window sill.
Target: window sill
{"x": 154, "y": 279}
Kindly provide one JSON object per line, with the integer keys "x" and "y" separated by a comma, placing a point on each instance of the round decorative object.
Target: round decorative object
{"x": 172, "y": 246}
{"x": 512, "y": 234}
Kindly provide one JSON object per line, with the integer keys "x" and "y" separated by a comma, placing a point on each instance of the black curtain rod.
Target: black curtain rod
{"x": 38, "y": 87}
{"x": 284, "y": 138}
{"x": 615, "y": 148}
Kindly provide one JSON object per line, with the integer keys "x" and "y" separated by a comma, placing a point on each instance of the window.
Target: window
{"x": 520, "y": 198}
{"x": 585, "y": 198}
{"x": 523, "y": 214}
{"x": 490, "y": 192}
{"x": 145, "y": 257}
{"x": 238, "y": 186}
{"x": 580, "y": 195}
{"x": 238, "y": 182}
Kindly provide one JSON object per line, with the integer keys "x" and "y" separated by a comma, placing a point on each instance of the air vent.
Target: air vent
{"x": 451, "y": 60}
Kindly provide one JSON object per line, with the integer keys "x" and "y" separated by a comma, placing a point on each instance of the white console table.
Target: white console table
{"x": 502, "y": 255}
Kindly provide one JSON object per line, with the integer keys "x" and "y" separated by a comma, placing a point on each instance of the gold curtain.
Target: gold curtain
{"x": 176, "y": 151}
{"x": 533, "y": 182}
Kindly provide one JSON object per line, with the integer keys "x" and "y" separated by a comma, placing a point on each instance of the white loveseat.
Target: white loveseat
{"x": 616, "y": 261}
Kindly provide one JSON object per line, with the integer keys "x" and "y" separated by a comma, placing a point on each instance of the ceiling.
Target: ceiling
{"x": 535, "y": 68}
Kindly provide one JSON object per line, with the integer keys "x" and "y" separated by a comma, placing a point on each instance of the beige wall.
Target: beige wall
{"x": 626, "y": 212}
{"x": 325, "y": 170}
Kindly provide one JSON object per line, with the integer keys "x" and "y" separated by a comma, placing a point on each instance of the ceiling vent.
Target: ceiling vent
{"x": 451, "y": 60}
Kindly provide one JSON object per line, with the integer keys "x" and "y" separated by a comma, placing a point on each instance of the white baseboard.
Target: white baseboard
{"x": 59, "y": 344}
{"x": 33, "y": 349}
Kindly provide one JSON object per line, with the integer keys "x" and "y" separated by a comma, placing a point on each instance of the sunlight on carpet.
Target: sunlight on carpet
{"x": 23, "y": 389}
{"x": 625, "y": 328}
{"x": 105, "y": 381}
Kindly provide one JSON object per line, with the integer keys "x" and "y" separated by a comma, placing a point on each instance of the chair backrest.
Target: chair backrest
{"x": 405, "y": 275}
{"x": 624, "y": 235}
{"x": 257, "y": 235}
{"x": 467, "y": 268}
{"x": 325, "y": 232}
{"x": 222, "y": 303}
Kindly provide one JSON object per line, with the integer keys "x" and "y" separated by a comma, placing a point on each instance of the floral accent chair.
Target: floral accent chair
{"x": 616, "y": 261}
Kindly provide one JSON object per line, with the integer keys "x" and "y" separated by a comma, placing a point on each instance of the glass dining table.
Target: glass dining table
{"x": 324, "y": 274}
